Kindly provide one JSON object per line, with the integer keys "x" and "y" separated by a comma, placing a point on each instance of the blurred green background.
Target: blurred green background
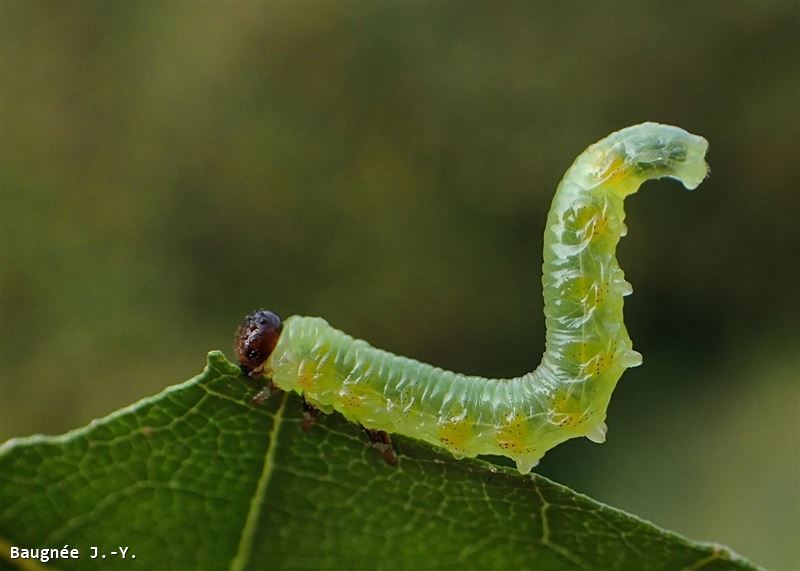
{"x": 168, "y": 167}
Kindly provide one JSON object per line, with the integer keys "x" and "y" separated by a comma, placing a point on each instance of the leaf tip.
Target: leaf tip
{"x": 217, "y": 361}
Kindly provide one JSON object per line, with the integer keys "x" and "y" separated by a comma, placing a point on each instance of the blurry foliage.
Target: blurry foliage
{"x": 168, "y": 167}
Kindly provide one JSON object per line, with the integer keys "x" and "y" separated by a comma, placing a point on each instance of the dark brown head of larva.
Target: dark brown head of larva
{"x": 256, "y": 339}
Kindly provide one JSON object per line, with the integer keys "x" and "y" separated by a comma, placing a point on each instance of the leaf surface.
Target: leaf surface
{"x": 197, "y": 477}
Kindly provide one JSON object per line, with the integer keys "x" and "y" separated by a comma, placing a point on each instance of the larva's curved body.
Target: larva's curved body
{"x": 587, "y": 347}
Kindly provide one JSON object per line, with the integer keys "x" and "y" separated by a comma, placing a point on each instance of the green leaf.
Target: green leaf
{"x": 199, "y": 478}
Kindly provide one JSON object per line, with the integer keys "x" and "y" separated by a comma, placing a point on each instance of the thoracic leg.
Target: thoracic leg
{"x": 266, "y": 391}
{"x": 309, "y": 416}
{"x": 382, "y": 442}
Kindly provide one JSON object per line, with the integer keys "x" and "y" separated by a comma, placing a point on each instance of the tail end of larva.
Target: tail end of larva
{"x": 693, "y": 169}
{"x": 653, "y": 150}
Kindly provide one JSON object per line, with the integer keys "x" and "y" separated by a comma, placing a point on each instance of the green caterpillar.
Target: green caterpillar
{"x": 587, "y": 347}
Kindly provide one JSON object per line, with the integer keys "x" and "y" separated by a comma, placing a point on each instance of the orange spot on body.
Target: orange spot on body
{"x": 618, "y": 176}
{"x": 514, "y": 435}
{"x": 568, "y": 410}
{"x": 456, "y": 434}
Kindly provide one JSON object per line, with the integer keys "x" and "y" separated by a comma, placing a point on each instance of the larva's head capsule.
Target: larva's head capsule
{"x": 256, "y": 339}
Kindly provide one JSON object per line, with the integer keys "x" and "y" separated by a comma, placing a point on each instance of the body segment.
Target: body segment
{"x": 587, "y": 345}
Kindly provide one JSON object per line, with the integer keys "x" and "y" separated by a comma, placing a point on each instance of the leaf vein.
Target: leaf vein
{"x": 242, "y": 556}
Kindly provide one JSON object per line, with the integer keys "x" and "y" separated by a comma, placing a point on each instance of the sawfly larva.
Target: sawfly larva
{"x": 587, "y": 345}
